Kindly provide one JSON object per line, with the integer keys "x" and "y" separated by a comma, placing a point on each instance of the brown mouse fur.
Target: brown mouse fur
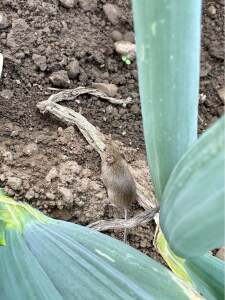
{"x": 117, "y": 179}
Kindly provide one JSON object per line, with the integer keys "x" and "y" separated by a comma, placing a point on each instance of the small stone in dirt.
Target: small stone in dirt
{"x": 14, "y": 182}
{"x": 212, "y": 10}
{"x": 112, "y": 13}
{"x": 52, "y": 174}
{"x": 73, "y": 69}
{"x": 4, "y": 22}
{"x": 216, "y": 49}
{"x": 30, "y": 149}
{"x": 125, "y": 48}
{"x": 129, "y": 37}
{"x": 107, "y": 88}
{"x": 67, "y": 194}
{"x": 6, "y": 94}
{"x": 80, "y": 203}
{"x": 88, "y": 5}
{"x": 50, "y": 196}
{"x": 60, "y": 131}
{"x": 60, "y": 79}
{"x": 116, "y": 36}
{"x": 40, "y": 61}
{"x": 30, "y": 195}
{"x": 68, "y": 3}
{"x": 7, "y": 156}
{"x": 221, "y": 93}
{"x": 135, "y": 109}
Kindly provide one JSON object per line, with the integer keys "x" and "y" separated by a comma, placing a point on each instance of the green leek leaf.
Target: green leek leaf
{"x": 207, "y": 272}
{"x": 204, "y": 273}
{"x": 168, "y": 51}
{"x": 56, "y": 260}
{"x": 192, "y": 211}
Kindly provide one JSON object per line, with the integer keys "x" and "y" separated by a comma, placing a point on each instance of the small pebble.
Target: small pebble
{"x": 29, "y": 194}
{"x": 40, "y": 62}
{"x": 73, "y": 69}
{"x": 60, "y": 79}
{"x": 112, "y": 13}
{"x": 135, "y": 109}
{"x": 4, "y": 22}
{"x": 68, "y": 3}
{"x": 50, "y": 196}
{"x": 116, "y": 36}
{"x": 212, "y": 10}
{"x": 125, "y": 48}
{"x": 14, "y": 182}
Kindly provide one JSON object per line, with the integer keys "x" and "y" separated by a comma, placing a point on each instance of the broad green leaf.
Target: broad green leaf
{"x": 168, "y": 51}
{"x": 192, "y": 210}
{"x": 56, "y": 260}
{"x": 204, "y": 273}
{"x": 21, "y": 276}
{"x": 207, "y": 272}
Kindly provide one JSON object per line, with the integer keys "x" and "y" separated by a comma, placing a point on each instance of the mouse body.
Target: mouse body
{"x": 118, "y": 180}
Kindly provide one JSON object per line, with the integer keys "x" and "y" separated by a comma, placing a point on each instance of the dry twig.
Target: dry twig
{"x": 139, "y": 219}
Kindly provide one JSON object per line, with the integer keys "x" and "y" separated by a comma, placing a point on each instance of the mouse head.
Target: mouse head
{"x": 112, "y": 154}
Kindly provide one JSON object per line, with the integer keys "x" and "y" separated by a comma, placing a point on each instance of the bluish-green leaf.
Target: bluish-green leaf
{"x": 207, "y": 272}
{"x": 99, "y": 267}
{"x": 192, "y": 210}
{"x": 168, "y": 51}
{"x": 45, "y": 259}
{"x": 21, "y": 276}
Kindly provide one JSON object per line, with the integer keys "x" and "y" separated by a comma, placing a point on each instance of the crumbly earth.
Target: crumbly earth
{"x": 49, "y": 165}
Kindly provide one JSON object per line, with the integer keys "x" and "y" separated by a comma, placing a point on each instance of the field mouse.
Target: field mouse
{"x": 118, "y": 180}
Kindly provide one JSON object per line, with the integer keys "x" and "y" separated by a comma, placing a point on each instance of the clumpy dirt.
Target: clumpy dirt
{"x": 49, "y": 165}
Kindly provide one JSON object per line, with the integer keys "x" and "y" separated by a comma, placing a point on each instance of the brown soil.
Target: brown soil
{"x": 51, "y": 166}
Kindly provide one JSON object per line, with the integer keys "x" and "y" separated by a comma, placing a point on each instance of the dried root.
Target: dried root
{"x": 139, "y": 219}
